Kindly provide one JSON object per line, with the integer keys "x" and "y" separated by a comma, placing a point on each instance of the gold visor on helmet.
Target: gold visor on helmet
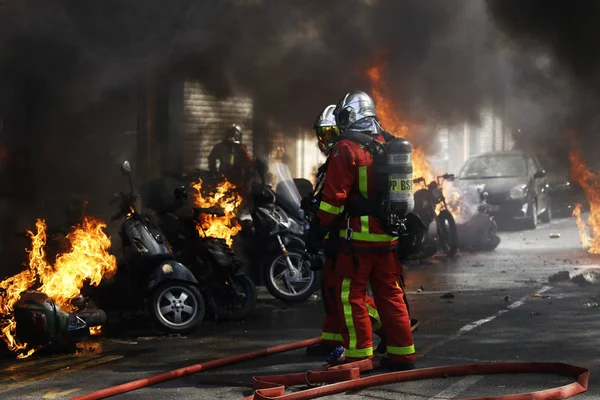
{"x": 326, "y": 135}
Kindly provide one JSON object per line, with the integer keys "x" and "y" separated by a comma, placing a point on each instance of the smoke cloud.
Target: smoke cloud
{"x": 292, "y": 57}
{"x": 553, "y": 47}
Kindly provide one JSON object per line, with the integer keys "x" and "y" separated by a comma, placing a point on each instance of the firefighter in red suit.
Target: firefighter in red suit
{"x": 326, "y": 131}
{"x": 366, "y": 253}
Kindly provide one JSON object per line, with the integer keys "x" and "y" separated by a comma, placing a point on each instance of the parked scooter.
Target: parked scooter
{"x": 274, "y": 243}
{"x": 229, "y": 293}
{"x": 426, "y": 201}
{"x": 151, "y": 276}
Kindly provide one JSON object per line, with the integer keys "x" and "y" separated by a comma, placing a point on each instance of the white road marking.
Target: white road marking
{"x": 454, "y": 390}
{"x": 478, "y": 323}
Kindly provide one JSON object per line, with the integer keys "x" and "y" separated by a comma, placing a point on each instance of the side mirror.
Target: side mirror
{"x": 539, "y": 174}
{"x": 125, "y": 168}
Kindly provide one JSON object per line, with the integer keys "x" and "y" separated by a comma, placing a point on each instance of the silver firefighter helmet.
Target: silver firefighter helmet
{"x": 354, "y": 107}
{"x": 234, "y": 134}
{"x": 326, "y": 129}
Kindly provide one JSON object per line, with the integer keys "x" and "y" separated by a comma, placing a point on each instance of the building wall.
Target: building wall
{"x": 205, "y": 119}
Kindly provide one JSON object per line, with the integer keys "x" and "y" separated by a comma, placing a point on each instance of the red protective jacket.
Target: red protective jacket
{"x": 351, "y": 167}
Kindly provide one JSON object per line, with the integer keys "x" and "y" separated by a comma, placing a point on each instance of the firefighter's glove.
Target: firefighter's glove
{"x": 314, "y": 239}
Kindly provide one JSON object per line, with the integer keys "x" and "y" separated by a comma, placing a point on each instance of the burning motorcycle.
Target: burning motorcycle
{"x": 151, "y": 276}
{"x": 274, "y": 241}
{"x": 229, "y": 293}
{"x": 429, "y": 198}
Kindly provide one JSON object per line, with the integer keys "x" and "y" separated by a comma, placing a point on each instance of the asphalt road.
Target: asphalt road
{"x": 491, "y": 317}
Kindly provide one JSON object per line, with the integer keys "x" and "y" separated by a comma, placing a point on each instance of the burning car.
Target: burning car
{"x": 516, "y": 184}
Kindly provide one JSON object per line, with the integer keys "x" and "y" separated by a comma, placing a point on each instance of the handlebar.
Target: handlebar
{"x": 447, "y": 177}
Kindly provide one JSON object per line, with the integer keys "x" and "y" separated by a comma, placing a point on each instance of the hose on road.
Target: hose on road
{"x": 347, "y": 377}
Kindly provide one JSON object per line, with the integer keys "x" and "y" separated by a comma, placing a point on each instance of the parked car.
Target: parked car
{"x": 516, "y": 184}
{"x": 565, "y": 194}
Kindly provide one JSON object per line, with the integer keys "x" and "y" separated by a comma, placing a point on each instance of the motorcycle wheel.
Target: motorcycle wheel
{"x": 446, "y": 227}
{"x": 281, "y": 284}
{"x": 176, "y": 307}
{"x": 491, "y": 240}
{"x": 239, "y": 311}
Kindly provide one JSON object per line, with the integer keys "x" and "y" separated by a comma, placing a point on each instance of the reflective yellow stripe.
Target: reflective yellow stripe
{"x": 401, "y": 351}
{"x": 364, "y": 223}
{"x": 362, "y": 181}
{"x": 375, "y": 315}
{"x": 370, "y": 237}
{"x": 348, "y": 315}
{"x": 329, "y": 208}
{"x": 359, "y": 353}
{"x": 337, "y": 337}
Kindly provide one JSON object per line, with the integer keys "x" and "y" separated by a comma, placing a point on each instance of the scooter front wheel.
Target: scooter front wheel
{"x": 176, "y": 307}
{"x": 225, "y": 308}
{"x": 287, "y": 285}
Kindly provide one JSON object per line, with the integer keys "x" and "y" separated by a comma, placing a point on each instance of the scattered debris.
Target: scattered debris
{"x": 560, "y": 276}
{"x": 421, "y": 287}
{"x": 447, "y": 296}
{"x": 591, "y": 305}
{"x": 536, "y": 295}
{"x": 554, "y": 235}
{"x": 585, "y": 278}
{"x": 507, "y": 298}
{"x": 477, "y": 264}
{"x": 449, "y": 301}
{"x": 535, "y": 313}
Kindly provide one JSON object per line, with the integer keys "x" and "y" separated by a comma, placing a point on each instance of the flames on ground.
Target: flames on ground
{"x": 389, "y": 116}
{"x": 589, "y": 231}
{"x": 88, "y": 261}
{"x": 224, "y": 197}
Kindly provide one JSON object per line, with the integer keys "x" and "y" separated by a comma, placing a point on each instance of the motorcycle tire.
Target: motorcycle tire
{"x": 290, "y": 298}
{"x": 245, "y": 285}
{"x": 491, "y": 239}
{"x": 447, "y": 233}
{"x": 165, "y": 305}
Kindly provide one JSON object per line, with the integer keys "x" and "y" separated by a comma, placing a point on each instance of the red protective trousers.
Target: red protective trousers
{"x": 352, "y": 274}
{"x": 332, "y": 325}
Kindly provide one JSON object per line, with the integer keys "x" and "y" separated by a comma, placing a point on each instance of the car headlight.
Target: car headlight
{"x": 518, "y": 192}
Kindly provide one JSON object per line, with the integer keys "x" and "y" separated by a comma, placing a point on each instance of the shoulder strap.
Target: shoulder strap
{"x": 372, "y": 145}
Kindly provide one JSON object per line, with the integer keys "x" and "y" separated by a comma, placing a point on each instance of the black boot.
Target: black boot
{"x": 319, "y": 350}
{"x": 396, "y": 365}
{"x": 382, "y": 346}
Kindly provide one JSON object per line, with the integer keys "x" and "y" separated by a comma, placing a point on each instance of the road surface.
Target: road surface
{"x": 492, "y": 316}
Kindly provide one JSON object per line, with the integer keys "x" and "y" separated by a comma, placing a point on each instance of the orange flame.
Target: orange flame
{"x": 227, "y": 199}
{"x": 88, "y": 261}
{"x": 389, "y": 117}
{"x": 589, "y": 231}
{"x": 95, "y": 330}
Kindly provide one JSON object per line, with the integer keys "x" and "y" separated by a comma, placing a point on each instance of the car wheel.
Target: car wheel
{"x": 546, "y": 216}
{"x": 532, "y": 219}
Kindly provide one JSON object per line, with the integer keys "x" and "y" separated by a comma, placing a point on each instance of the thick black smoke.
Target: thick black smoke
{"x": 293, "y": 57}
{"x": 554, "y": 47}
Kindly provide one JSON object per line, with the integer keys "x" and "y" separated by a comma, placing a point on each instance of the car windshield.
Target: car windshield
{"x": 494, "y": 166}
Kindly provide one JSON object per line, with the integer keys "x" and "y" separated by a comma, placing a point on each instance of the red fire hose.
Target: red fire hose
{"x": 347, "y": 377}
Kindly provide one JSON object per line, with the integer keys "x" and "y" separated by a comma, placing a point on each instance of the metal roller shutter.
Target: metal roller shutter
{"x": 205, "y": 119}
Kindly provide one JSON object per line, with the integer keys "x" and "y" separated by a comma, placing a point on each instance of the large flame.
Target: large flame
{"x": 390, "y": 118}
{"x": 88, "y": 261}
{"x": 227, "y": 199}
{"x": 589, "y": 231}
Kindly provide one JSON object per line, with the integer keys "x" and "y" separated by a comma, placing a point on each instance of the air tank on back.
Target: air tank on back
{"x": 400, "y": 178}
